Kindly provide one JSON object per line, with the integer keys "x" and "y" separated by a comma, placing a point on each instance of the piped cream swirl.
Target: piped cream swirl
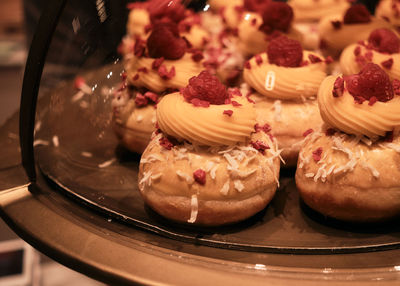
{"x": 337, "y": 39}
{"x": 354, "y": 118}
{"x": 206, "y": 125}
{"x": 311, "y": 10}
{"x": 349, "y": 64}
{"x": 388, "y": 9}
{"x": 185, "y": 68}
{"x": 285, "y": 82}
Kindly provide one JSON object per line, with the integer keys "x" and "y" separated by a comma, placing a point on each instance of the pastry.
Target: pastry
{"x": 340, "y": 30}
{"x": 381, "y": 48}
{"x": 285, "y": 81}
{"x": 389, "y": 10}
{"x": 307, "y": 14}
{"x": 349, "y": 170}
{"x": 162, "y": 62}
{"x": 208, "y": 163}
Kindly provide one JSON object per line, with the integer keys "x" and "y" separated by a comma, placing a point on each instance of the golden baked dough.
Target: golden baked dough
{"x": 354, "y": 180}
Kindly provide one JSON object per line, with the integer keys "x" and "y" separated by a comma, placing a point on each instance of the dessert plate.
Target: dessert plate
{"x": 78, "y": 153}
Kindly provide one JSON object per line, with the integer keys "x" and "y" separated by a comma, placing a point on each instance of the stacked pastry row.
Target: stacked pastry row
{"x": 216, "y": 100}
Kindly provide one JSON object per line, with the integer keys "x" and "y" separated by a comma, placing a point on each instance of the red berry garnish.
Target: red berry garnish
{"x": 265, "y": 128}
{"x": 371, "y": 81}
{"x": 164, "y": 142}
{"x": 285, "y": 52}
{"x": 276, "y": 16}
{"x": 260, "y": 146}
{"x": 255, "y": 5}
{"x": 307, "y": 132}
{"x": 387, "y": 64}
{"x": 141, "y": 100}
{"x": 338, "y": 87}
{"x": 228, "y": 112}
{"x": 164, "y": 41}
{"x": 200, "y": 176}
{"x": 356, "y": 14}
{"x": 317, "y": 154}
{"x": 384, "y": 41}
{"x": 172, "y": 10}
{"x": 205, "y": 87}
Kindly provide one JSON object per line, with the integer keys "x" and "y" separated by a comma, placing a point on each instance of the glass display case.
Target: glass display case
{"x": 75, "y": 195}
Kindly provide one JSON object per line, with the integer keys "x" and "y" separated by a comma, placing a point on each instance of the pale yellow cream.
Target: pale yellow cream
{"x": 311, "y": 10}
{"x": 197, "y": 36}
{"x": 354, "y": 118}
{"x": 216, "y": 5}
{"x": 349, "y": 65}
{"x": 185, "y": 68}
{"x": 385, "y": 10}
{"x": 137, "y": 21}
{"x": 206, "y": 125}
{"x": 251, "y": 40}
{"x": 337, "y": 39}
{"x": 285, "y": 82}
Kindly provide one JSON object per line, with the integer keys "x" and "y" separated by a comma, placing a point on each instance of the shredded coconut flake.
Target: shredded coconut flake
{"x": 38, "y": 142}
{"x": 238, "y": 185}
{"x": 225, "y": 188}
{"x": 86, "y": 154}
{"x": 56, "y": 141}
{"x": 194, "y": 205}
{"x": 107, "y": 163}
{"x": 77, "y": 96}
{"x": 189, "y": 179}
{"x": 139, "y": 118}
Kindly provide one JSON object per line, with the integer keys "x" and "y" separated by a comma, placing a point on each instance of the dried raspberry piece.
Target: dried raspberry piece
{"x": 164, "y": 73}
{"x": 316, "y": 154}
{"x": 357, "y": 13}
{"x": 197, "y": 56}
{"x": 276, "y": 16}
{"x": 357, "y": 51}
{"x": 328, "y": 60}
{"x": 336, "y": 24}
{"x": 247, "y": 65}
{"x": 235, "y": 103}
{"x": 260, "y": 146}
{"x": 166, "y": 9}
{"x": 371, "y": 81}
{"x": 396, "y": 86}
{"x": 141, "y": 100}
{"x": 265, "y": 128}
{"x": 307, "y": 132}
{"x": 368, "y": 56}
{"x": 330, "y": 131}
{"x": 314, "y": 59}
{"x": 338, "y": 87}
{"x": 152, "y": 96}
{"x": 79, "y": 82}
{"x": 139, "y": 48}
{"x": 205, "y": 87}
{"x": 157, "y": 63}
{"x": 200, "y": 176}
{"x": 384, "y": 41}
{"x": 387, "y": 64}
{"x": 255, "y": 5}
{"x": 164, "y": 142}
{"x": 228, "y": 112}
{"x": 258, "y": 59}
{"x": 143, "y": 70}
{"x": 285, "y": 52}
{"x": 135, "y": 77}
{"x": 164, "y": 41}
{"x": 372, "y": 101}
{"x": 234, "y": 91}
{"x": 199, "y": 103}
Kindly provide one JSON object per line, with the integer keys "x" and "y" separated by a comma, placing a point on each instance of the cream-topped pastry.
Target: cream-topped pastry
{"x": 340, "y": 30}
{"x": 381, "y": 48}
{"x": 348, "y": 171}
{"x": 307, "y": 14}
{"x": 209, "y": 163}
{"x": 163, "y": 62}
{"x": 389, "y": 10}
{"x": 286, "y": 80}
{"x": 255, "y": 30}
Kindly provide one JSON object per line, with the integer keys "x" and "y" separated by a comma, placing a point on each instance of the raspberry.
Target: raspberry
{"x": 164, "y": 41}
{"x": 276, "y": 16}
{"x": 357, "y": 13}
{"x": 200, "y": 176}
{"x": 228, "y": 112}
{"x": 260, "y": 146}
{"x": 255, "y": 5}
{"x": 205, "y": 87}
{"x": 384, "y": 41}
{"x": 372, "y": 81}
{"x": 285, "y": 52}
{"x": 307, "y": 132}
{"x": 316, "y": 154}
{"x": 166, "y": 9}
